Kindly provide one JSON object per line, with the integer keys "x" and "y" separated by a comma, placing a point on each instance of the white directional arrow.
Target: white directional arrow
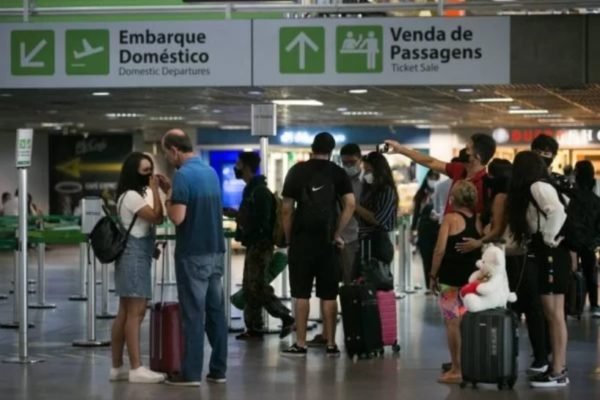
{"x": 301, "y": 41}
{"x": 27, "y": 57}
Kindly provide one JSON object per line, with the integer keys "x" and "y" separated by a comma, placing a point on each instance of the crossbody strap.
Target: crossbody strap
{"x": 135, "y": 216}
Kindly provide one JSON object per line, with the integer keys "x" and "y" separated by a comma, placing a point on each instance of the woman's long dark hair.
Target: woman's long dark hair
{"x": 497, "y": 181}
{"x": 130, "y": 177}
{"x": 500, "y": 174}
{"x": 424, "y": 189}
{"x": 382, "y": 173}
{"x": 528, "y": 168}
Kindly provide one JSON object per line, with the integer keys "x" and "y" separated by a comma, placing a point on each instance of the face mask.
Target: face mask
{"x": 369, "y": 178}
{"x": 353, "y": 170}
{"x": 431, "y": 183}
{"x": 144, "y": 179}
{"x": 237, "y": 172}
{"x": 547, "y": 161}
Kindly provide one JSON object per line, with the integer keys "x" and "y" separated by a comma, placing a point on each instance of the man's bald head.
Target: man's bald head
{"x": 176, "y": 132}
{"x": 178, "y": 139}
{"x": 177, "y": 146}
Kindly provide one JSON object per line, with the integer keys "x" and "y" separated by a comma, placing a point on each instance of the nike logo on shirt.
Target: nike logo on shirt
{"x": 316, "y": 189}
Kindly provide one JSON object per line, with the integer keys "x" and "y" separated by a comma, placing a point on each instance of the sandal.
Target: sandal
{"x": 450, "y": 378}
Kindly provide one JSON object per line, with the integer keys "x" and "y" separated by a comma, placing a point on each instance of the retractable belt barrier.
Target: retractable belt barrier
{"x": 405, "y": 252}
{"x": 66, "y": 230}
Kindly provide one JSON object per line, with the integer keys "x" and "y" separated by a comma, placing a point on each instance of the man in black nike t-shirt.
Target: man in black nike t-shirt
{"x": 314, "y": 231}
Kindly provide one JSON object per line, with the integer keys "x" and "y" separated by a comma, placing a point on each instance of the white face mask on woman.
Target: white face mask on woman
{"x": 369, "y": 178}
{"x": 431, "y": 183}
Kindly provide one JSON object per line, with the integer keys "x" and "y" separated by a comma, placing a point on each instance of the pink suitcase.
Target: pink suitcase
{"x": 386, "y": 302}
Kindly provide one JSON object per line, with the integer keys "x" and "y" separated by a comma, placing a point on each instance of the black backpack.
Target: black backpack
{"x": 581, "y": 229}
{"x": 109, "y": 238}
{"x": 317, "y": 208}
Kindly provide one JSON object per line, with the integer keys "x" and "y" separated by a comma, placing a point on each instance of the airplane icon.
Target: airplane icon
{"x": 88, "y": 50}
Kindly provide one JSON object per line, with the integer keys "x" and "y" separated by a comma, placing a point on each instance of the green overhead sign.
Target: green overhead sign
{"x": 302, "y": 50}
{"x": 87, "y": 52}
{"x": 345, "y": 52}
{"x": 32, "y": 52}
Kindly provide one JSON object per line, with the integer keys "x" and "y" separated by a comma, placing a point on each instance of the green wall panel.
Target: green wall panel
{"x": 87, "y": 3}
{"x": 126, "y": 17}
{"x": 142, "y": 17}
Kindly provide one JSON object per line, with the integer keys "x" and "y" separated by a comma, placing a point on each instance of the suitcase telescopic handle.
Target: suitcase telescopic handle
{"x": 164, "y": 268}
{"x": 366, "y": 241}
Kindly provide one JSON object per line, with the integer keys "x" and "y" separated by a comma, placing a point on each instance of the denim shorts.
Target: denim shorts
{"x": 132, "y": 269}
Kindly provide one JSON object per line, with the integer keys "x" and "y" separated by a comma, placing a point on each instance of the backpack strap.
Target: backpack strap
{"x": 135, "y": 216}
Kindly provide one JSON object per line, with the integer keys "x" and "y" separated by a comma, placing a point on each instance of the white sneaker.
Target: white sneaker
{"x": 144, "y": 375}
{"x": 119, "y": 374}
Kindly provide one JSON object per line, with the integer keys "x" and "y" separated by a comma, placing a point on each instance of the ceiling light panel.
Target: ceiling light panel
{"x": 530, "y": 111}
{"x": 493, "y": 100}
{"x": 291, "y": 102}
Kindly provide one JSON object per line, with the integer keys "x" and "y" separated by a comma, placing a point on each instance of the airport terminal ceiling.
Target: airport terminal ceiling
{"x": 125, "y": 110}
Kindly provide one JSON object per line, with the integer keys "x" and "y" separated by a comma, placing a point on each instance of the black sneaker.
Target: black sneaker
{"x": 179, "y": 381}
{"x": 287, "y": 326}
{"x": 550, "y": 380}
{"x": 250, "y": 336}
{"x": 294, "y": 351}
{"x": 537, "y": 368}
{"x": 318, "y": 341}
{"x": 332, "y": 351}
{"x": 214, "y": 378}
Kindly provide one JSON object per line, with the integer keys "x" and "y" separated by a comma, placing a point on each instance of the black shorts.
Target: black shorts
{"x": 553, "y": 266}
{"x": 310, "y": 260}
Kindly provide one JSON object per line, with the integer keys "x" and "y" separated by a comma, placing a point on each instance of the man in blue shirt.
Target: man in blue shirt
{"x": 194, "y": 205}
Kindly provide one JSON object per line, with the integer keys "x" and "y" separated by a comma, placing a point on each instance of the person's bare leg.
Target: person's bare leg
{"x": 135, "y": 315}
{"x": 329, "y": 320}
{"x": 453, "y": 333}
{"x": 554, "y": 312}
{"x": 117, "y": 334}
{"x": 324, "y": 333}
{"x": 302, "y": 311}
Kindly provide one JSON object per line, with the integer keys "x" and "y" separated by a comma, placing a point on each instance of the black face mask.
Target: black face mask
{"x": 547, "y": 161}
{"x": 144, "y": 179}
{"x": 237, "y": 172}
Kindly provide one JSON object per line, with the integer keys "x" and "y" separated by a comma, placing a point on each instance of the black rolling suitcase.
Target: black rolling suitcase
{"x": 490, "y": 345}
{"x": 360, "y": 317}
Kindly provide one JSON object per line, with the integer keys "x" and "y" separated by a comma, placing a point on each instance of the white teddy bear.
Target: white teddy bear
{"x": 488, "y": 286}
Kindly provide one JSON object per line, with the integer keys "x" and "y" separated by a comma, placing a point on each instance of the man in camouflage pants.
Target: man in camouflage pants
{"x": 255, "y": 221}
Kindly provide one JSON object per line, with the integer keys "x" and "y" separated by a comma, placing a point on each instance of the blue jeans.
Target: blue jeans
{"x": 202, "y": 308}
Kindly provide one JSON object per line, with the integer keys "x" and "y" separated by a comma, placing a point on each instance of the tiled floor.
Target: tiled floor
{"x": 257, "y": 371}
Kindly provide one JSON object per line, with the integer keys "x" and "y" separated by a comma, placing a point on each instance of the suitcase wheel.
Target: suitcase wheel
{"x": 500, "y": 385}
{"x": 396, "y": 348}
{"x": 381, "y": 352}
{"x": 463, "y": 384}
{"x": 511, "y": 383}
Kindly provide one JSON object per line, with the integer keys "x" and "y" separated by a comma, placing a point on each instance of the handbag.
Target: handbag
{"x": 375, "y": 272}
{"x": 382, "y": 248}
{"x": 108, "y": 238}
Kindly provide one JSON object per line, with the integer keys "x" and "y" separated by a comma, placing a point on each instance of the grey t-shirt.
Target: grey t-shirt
{"x": 350, "y": 233}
